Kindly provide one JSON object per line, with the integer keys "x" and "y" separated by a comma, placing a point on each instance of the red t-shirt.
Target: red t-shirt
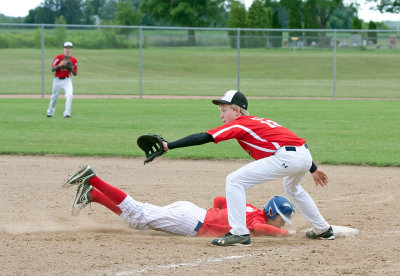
{"x": 257, "y": 136}
{"x": 216, "y": 222}
{"x": 63, "y": 73}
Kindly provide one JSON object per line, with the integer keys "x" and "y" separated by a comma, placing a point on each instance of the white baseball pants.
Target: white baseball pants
{"x": 58, "y": 85}
{"x": 182, "y": 217}
{"x": 289, "y": 165}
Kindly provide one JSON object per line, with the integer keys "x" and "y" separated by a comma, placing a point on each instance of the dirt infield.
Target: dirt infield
{"x": 38, "y": 235}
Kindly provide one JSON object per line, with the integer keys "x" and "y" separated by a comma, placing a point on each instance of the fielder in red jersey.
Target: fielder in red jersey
{"x": 59, "y": 66}
{"x": 63, "y": 65}
{"x": 257, "y": 136}
{"x": 182, "y": 217}
{"x": 278, "y": 153}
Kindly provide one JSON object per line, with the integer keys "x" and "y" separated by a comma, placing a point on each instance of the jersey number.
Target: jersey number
{"x": 270, "y": 123}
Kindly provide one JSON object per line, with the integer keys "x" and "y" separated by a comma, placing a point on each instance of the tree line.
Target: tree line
{"x": 262, "y": 14}
{"x": 296, "y": 14}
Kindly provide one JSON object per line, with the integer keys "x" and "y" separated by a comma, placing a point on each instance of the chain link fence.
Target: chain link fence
{"x": 139, "y": 60}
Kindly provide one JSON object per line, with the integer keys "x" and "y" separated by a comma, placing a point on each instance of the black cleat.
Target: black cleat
{"x": 230, "y": 239}
{"x": 327, "y": 235}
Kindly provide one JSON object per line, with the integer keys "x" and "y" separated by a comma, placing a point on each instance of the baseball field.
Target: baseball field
{"x": 354, "y": 141}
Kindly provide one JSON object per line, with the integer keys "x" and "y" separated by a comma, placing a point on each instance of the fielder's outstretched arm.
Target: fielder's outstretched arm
{"x": 191, "y": 140}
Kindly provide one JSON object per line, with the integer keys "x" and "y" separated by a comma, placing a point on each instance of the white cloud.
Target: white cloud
{"x": 18, "y": 7}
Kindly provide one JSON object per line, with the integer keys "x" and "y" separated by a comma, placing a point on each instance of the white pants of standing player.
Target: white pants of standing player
{"x": 58, "y": 85}
{"x": 292, "y": 166}
{"x": 180, "y": 217}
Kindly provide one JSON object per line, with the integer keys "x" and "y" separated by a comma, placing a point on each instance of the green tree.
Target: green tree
{"x": 71, "y": 10}
{"x": 342, "y": 17}
{"x": 136, "y": 3}
{"x": 276, "y": 36}
{"x": 295, "y": 19}
{"x": 60, "y": 32}
{"x": 126, "y": 15}
{"x": 107, "y": 11}
{"x": 49, "y": 10}
{"x": 357, "y": 24}
{"x": 11, "y": 19}
{"x": 91, "y": 9}
{"x": 41, "y": 14}
{"x": 320, "y": 11}
{"x": 382, "y": 26}
{"x": 310, "y": 37}
{"x": 237, "y": 19}
{"x": 186, "y": 13}
{"x": 392, "y": 6}
{"x": 95, "y": 5}
{"x": 258, "y": 17}
{"x": 372, "y": 36}
{"x": 30, "y": 18}
{"x": 88, "y": 15}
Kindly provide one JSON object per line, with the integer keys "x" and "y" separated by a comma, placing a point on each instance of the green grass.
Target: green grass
{"x": 338, "y": 132}
{"x": 211, "y": 71}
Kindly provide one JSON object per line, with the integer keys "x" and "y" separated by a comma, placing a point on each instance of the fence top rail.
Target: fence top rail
{"x": 193, "y": 28}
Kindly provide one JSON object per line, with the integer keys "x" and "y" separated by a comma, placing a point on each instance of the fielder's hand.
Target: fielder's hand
{"x": 320, "y": 178}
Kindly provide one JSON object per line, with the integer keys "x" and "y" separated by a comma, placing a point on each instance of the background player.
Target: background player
{"x": 182, "y": 217}
{"x": 63, "y": 65}
{"x": 278, "y": 152}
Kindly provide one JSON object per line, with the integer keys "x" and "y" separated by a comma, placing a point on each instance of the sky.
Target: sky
{"x": 22, "y": 7}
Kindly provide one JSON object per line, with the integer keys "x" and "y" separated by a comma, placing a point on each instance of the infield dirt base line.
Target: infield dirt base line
{"x": 195, "y": 263}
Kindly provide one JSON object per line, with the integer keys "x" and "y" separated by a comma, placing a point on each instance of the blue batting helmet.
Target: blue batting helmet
{"x": 279, "y": 205}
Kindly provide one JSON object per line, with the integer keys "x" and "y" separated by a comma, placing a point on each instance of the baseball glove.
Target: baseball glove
{"x": 68, "y": 66}
{"x": 152, "y": 146}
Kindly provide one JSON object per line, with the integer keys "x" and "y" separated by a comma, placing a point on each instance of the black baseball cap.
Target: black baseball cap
{"x": 233, "y": 97}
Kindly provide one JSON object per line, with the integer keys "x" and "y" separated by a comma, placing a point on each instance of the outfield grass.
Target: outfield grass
{"x": 210, "y": 71}
{"x": 338, "y": 132}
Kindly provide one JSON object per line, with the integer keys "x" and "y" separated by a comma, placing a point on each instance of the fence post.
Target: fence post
{"x": 334, "y": 65}
{"x": 42, "y": 46}
{"x": 140, "y": 58}
{"x": 238, "y": 58}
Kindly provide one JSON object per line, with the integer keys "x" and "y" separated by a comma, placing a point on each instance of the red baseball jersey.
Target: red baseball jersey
{"x": 64, "y": 73}
{"x": 216, "y": 222}
{"x": 257, "y": 136}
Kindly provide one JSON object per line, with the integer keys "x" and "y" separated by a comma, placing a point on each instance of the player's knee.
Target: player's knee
{"x": 293, "y": 190}
{"x": 229, "y": 180}
{"x": 232, "y": 182}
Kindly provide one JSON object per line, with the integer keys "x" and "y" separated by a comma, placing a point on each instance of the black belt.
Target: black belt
{"x": 198, "y": 226}
{"x": 61, "y": 78}
{"x": 289, "y": 148}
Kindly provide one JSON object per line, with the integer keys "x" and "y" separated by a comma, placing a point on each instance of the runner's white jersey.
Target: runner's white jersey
{"x": 257, "y": 136}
